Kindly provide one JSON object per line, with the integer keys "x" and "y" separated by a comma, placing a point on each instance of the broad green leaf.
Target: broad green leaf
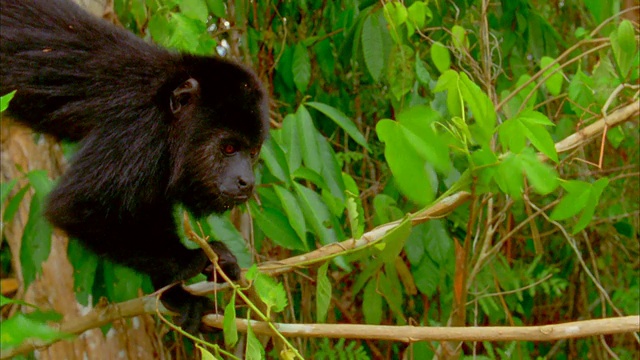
{"x": 308, "y": 140}
{"x": 230, "y": 329}
{"x": 85, "y": 265}
{"x": 449, "y": 80}
{"x": 372, "y": 50}
{"x": 440, "y": 56}
{"x": 409, "y": 168}
{"x": 293, "y": 211}
{"x": 323, "y": 293}
{"x": 276, "y": 226}
{"x": 24, "y": 327}
{"x": 5, "y": 189}
{"x": 581, "y": 89}
{"x": 416, "y": 124}
{"x": 301, "y": 68}
{"x": 426, "y": 275}
{"x": 317, "y": 214}
{"x": 272, "y": 293}
{"x": 122, "y": 283}
{"x": 437, "y": 242}
{"x": 624, "y": 46}
{"x": 275, "y": 160}
{"x": 590, "y": 208}
{"x": 385, "y": 209}
{"x": 217, "y": 7}
{"x": 509, "y": 176}
{"x": 186, "y": 32}
{"x": 400, "y": 72}
{"x": 542, "y": 177}
{"x": 14, "y": 204}
{"x": 512, "y": 136}
{"x": 534, "y": 130}
{"x": 5, "y": 99}
{"x": 254, "y": 349}
{"x": 195, "y": 9}
{"x": 36, "y": 239}
{"x": 290, "y": 141}
{"x": 574, "y": 201}
{"x": 554, "y": 82}
{"x": 204, "y": 353}
{"x": 372, "y": 303}
{"x": 417, "y": 13}
{"x": 341, "y": 120}
{"x": 331, "y": 172}
{"x": 392, "y": 242}
{"x": 481, "y": 108}
{"x": 459, "y": 37}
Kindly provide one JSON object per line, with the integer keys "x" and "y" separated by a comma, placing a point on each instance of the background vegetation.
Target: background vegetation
{"x": 378, "y": 109}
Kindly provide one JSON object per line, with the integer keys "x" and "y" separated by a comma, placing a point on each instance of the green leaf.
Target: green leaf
{"x": 317, "y": 214}
{"x": 290, "y": 141}
{"x": 275, "y": 160}
{"x": 323, "y": 293}
{"x": 509, "y": 176}
{"x": 254, "y": 349}
{"x": 532, "y": 126}
{"x": 122, "y": 283}
{"x": 372, "y": 304}
{"x": 341, "y": 120}
{"x": 204, "y": 353}
{"x": 14, "y": 204}
{"x": 542, "y": 177}
{"x": 417, "y": 13}
{"x": 293, "y": 211}
{"x": 218, "y": 8}
{"x": 5, "y": 99}
{"x": 409, "y": 168}
{"x": 23, "y": 327}
{"x": 554, "y": 82}
{"x": 594, "y": 197}
{"x": 400, "y": 72}
{"x": 581, "y": 90}
{"x": 195, "y": 9}
{"x": 440, "y": 56}
{"x": 308, "y": 140}
{"x": 449, "y": 80}
{"x": 481, "y": 108}
{"x": 276, "y": 226}
{"x": 574, "y": 201}
{"x": 372, "y": 49}
{"x": 85, "y": 266}
{"x": 186, "y": 32}
{"x": 272, "y": 293}
{"x": 5, "y": 189}
{"x": 624, "y": 46}
{"x": 36, "y": 239}
{"x": 230, "y": 329}
{"x": 459, "y": 37}
{"x": 301, "y": 68}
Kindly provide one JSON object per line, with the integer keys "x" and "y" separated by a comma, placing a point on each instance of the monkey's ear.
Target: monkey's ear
{"x": 183, "y": 94}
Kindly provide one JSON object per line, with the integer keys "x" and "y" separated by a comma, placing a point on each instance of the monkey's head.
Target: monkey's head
{"x": 219, "y": 122}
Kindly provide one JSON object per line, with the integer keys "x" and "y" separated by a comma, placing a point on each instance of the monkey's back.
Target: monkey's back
{"x": 72, "y": 70}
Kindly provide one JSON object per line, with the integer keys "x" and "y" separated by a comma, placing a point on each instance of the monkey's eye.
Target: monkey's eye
{"x": 229, "y": 149}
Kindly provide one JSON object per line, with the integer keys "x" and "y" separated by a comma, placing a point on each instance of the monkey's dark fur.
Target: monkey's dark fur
{"x": 156, "y": 129}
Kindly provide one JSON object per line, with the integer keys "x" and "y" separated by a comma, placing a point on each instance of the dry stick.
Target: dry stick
{"x": 148, "y": 304}
{"x": 408, "y": 334}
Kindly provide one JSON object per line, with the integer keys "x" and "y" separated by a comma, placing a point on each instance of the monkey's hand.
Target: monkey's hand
{"x": 192, "y": 307}
{"x": 227, "y": 262}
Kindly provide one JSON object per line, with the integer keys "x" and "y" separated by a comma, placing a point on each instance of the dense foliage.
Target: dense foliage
{"x": 381, "y": 107}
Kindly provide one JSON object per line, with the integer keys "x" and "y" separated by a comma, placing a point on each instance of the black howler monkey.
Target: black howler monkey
{"x": 156, "y": 129}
